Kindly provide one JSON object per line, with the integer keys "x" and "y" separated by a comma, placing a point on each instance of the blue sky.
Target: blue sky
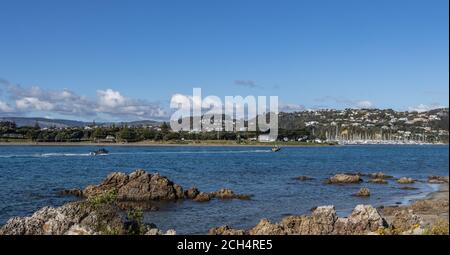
{"x": 111, "y": 59}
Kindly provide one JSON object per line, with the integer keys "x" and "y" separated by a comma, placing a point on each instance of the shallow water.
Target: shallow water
{"x": 31, "y": 176}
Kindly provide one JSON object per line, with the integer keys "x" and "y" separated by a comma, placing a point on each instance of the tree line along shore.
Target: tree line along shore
{"x": 10, "y": 133}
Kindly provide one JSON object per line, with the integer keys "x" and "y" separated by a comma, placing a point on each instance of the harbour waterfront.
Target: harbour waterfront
{"x": 32, "y": 176}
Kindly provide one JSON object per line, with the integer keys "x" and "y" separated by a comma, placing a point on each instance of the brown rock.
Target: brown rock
{"x": 74, "y": 192}
{"x": 228, "y": 194}
{"x": 363, "y": 192}
{"x": 405, "y": 180}
{"x": 380, "y": 175}
{"x": 225, "y": 230}
{"x": 264, "y": 227}
{"x": 202, "y": 197}
{"x": 137, "y": 186}
{"x": 224, "y": 194}
{"x": 191, "y": 193}
{"x": 76, "y": 218}
{"x": 344, "y": 179}
{"x": 438, "y": 179}
{"x": 323, "y": 221}
{"x": 378, "y": 181}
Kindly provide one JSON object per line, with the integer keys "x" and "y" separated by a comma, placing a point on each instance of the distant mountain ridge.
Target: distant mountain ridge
{"x": 62, "y": 123}
{"x": 287, "y": 120}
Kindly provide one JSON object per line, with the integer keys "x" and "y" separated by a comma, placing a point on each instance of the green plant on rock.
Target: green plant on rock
{"x": 104, "y": 198}
{"x": 135, "y": 220}
{"x": 109, "y": 231}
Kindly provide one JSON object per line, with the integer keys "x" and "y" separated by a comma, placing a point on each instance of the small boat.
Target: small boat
{"x": 99, "y": 152}
{"x": 275, "y": 148}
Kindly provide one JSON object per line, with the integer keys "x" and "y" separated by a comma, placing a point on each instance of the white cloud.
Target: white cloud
{"x": 112, "y": 102}
{"x": 183, "y": 99}
{"x": 247, "y": 83}
{"x": 110, "y": 98}
{"x": 363, "y": 104}
{"x": 291, "y": 108}
{"x": 66, "y": 102}
{"x": 5, "y": 108}
{"x": 33, "y": 103}
{"x": 345, "y": 102}
{"x": 424, "y": 107}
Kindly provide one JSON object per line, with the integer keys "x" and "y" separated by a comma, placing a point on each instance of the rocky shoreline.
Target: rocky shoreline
{"x": 115, "y": 206}
{"x": 426, "y": 216}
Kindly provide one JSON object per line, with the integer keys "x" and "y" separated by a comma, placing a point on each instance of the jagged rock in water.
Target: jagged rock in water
{"x": 137, "y": 186}
{"x": 323, "y": 221}
{"x": 378, "y": 181}
{"x": 228, "y": 194}
{"x": 191, "y": 193}
{"x": 405, "y": 180}
{"x": 74, "y": 192}
{"x": 438, "y": 179}
{"x": 344, "y": 178}
{"x": 380, "y": 175}
{"x": 203, "y": 197}
{"x": 363, "y": 192}
{"x": 141, "y": 186}
{"x": 76, "y": 218}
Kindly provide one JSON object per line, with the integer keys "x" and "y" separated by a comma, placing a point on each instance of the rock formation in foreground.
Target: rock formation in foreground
{"x": 141, "y": 186}
{"x": 364, "y": 220}
{"x": 323, "y": 221}
{"x": 91, "y": 217}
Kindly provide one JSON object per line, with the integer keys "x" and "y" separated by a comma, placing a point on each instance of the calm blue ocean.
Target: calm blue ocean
{"x": 31, "y": 176}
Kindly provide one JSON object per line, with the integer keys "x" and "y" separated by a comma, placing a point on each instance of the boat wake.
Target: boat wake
{"x": 61, "y": 154}
{"x": 45, "y": 155}
{"x": 64, "y": 154}
{"x": 190, "y": 152}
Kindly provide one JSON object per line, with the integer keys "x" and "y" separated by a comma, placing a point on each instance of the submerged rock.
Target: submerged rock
{"x": 405, "y": 180}
{"x": 323, "y": 221}
{"x": 408, "y": 188}
{"x": 228, "y": 194}
{"x": 380, "y": 175}
{"x": 363, "y": 192}
{"x": 74, "y": 192}
{"x": 303, "y": 178}
{"x": 378, "y": 181}
{"x": 344, "y": 178}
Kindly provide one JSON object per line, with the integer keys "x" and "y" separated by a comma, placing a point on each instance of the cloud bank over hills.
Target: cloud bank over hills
{"x": 108, "y": 102}
{"x": 113, "y": 105}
